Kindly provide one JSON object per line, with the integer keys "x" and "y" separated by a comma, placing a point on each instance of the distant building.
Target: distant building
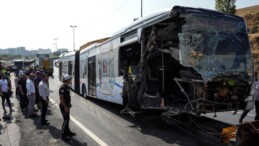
{"x": 44, "y": 51}
{"x": 28, "y": 53}
{"x": 60, "y": 51}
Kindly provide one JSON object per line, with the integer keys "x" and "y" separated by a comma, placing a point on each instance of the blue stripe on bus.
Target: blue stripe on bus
{"x": 118, "y": 85}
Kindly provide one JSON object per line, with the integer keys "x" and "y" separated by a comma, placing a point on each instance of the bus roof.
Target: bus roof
{"x": 140, "y": 21}
{"x": 163, "y": 14}
{"x": 90, "y": 47}
{"x": 181, "y": 9}
{"x": 167, "y": 12}
{"x": 68, "y": 56}
{"x": 62, "y": 54}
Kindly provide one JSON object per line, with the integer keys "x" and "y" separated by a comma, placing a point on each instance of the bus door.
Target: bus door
{"x": 60, "y": 71}
{"x": 91, "y": 76}
{"x": 70, "y": 68}
{"x": 71, "y": 73}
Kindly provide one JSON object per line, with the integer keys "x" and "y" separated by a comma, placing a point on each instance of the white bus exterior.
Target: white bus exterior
{"x": 186, "y": 59}
{"x": 67, "y": 66}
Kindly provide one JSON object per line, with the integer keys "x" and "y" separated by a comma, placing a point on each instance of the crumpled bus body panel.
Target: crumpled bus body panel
{"x": 195, "y": 61}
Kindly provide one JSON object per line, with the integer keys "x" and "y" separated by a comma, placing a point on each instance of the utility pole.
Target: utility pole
{"x": 56, "y": 43}
{"x": 74, "y": 35}
{"x": 141, "y": 9}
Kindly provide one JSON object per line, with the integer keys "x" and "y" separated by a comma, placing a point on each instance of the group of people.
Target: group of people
{"x": 32, "y": 88}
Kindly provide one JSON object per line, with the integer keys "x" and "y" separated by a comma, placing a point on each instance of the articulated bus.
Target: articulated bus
{"x": 69, "y": 64}
{"x": 186, "y": 59}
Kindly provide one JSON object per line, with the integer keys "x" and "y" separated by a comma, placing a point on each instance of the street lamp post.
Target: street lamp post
{"x": 73, "y": 35}
{"x": 141, "y": 6}
{"x": 56, "y": 43}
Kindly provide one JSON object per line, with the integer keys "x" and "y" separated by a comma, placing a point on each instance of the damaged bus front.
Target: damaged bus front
{"x": 193, "y": 60}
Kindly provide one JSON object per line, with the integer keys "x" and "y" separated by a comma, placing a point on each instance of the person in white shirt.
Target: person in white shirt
{"x": 31, "y": 94}
{"x": 44, "y": 97}
{"x": 5, "y": 94}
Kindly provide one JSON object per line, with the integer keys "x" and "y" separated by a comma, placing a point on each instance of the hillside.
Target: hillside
{"x": 247, "y": 10}
{"x": 251, "y": 16}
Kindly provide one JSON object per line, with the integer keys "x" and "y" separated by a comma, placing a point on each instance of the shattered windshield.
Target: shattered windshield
{"x": 213, "y": 45}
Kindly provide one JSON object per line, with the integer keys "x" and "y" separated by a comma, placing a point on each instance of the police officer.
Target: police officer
{"x": 65, "y": 105}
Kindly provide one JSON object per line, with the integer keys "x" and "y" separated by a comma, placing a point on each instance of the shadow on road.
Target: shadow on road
{"x": 7, "y": 118}
{"x": 56, "y": 133}
{"x": 150, "y": 123}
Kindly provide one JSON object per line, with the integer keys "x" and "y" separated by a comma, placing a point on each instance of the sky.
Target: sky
{"x": 36, "y": 23}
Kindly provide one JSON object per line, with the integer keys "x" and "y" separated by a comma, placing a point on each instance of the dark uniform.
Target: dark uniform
{"x": 64, "y": 90}
{"x": 23, "y": 98}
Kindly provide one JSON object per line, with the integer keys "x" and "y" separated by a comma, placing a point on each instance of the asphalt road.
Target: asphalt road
{"x": 104, "y": 120}
{"x": 98, "y": 123}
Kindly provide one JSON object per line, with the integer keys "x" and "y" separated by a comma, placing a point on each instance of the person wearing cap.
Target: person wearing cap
{"x": 65, "y": 105}
{"x": 44, "y": 97}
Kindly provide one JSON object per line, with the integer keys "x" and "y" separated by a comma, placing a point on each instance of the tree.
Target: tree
{"x": 226, "y": 6}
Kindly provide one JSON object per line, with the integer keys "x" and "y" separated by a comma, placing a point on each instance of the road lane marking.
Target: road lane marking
{"x": 87, "y": 131}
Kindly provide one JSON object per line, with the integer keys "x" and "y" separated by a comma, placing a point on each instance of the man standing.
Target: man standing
{"x": 31, "y": 94}
{"x": 44, "y": 97}
{"x": 5, "y": 94}
{"x": 23, "y": 92}
{"x": 16, "y": 80}
{"x": 36, "y": 83}
{"x": 65, "y": 105}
